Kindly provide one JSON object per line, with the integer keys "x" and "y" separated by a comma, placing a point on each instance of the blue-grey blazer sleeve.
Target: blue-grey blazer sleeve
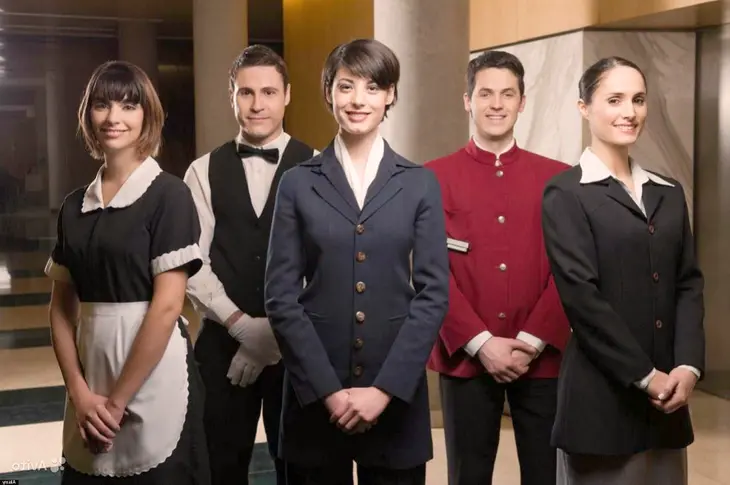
{"x": 403, "y": 369}
{"x": 311, "y": 373}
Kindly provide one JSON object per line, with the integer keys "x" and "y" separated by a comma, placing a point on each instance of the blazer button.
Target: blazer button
{"x": 360, "y": 317}
{"x": 360, "y": 229}
{"x": 360, "y": 257}
{"x": 357, "y": 371}
{"x": 501, "y": 315}
{"x": 655, "y": 276}
{"x": 659, "y": 324}
{"x": 358, "y": 343}
{"x": 503, "y": 267}
{"x": 360, "y": 287}
{"x": 499, "y": 173}
{"x": 651, "y": 229}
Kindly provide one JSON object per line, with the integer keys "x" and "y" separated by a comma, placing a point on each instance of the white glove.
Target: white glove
{"x": 244, "y": 369}
{"x": 256, "y": 336}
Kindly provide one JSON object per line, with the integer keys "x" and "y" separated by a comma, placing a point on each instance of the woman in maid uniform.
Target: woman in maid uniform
{"x": 127, "y": 243}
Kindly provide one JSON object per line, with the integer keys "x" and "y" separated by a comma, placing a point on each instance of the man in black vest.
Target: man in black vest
{"x": 234, "y": 188}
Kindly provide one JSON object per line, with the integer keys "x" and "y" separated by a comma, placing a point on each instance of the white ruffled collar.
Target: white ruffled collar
{"x": 133, "y": 188}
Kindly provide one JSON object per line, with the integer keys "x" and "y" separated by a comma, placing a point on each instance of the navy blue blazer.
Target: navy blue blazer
{"x": 359, "y": 321}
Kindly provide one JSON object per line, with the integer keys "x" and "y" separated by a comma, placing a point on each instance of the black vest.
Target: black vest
{"x": 240, "y": 240}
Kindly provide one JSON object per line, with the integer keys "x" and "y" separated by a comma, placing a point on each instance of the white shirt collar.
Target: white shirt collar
{"x": 131, "y": 190}
{"x": 594, "y": 170}
{"x": 360, "y": 187}
{"x": 506, "y": 149}
{"x": 280, "y": 143}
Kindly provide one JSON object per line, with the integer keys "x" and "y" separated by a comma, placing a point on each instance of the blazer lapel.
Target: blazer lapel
{"x": 619, "y": 194}
{"x": 333, "y": 186}
{"x": 384, "y": 187}
{"x": 652, "y": 196}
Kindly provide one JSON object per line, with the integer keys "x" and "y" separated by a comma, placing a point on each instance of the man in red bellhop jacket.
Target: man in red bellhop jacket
{"x": 505, "y": 328}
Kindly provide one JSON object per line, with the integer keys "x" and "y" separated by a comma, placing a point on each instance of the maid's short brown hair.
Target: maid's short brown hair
{"x": 122, "y": 81}
{"x": 366, "y": 58}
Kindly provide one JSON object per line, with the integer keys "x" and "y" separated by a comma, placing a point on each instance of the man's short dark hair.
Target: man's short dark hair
{"x": 497, "y": 60}
{"x": 366, "y": 58}
{"x": 257, "y": 55}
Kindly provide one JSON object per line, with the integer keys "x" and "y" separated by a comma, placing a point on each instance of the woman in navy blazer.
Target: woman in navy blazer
{"x": 364, "y": 228}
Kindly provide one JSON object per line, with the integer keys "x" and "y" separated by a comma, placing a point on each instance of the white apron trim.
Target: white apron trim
{"x": 150, "y": 434}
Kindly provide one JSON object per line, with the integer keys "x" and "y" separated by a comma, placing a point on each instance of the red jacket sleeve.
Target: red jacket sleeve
{"x": 461, "y": 323}
{"x": 547, "y": 320}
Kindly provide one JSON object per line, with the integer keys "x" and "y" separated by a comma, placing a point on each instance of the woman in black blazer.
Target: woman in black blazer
{"x": 364, "y": 228}
{"x": 620, "y": 245}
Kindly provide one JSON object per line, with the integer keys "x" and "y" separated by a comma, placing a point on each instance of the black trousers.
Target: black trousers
{"x": 341, "y": 474}
{"x": 232, "y": 412}
{"x": 472, "y": 410}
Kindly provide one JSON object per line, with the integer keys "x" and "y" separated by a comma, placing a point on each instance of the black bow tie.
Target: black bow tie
{"x": 271, "y": 155}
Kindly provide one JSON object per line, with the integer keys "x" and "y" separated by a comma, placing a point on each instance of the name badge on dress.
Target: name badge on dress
{"x": 456, "y": 245}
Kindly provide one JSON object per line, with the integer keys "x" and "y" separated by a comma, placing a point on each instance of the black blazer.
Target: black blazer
{"x": 632, "y": 291}
{"x": 359, "y": 321}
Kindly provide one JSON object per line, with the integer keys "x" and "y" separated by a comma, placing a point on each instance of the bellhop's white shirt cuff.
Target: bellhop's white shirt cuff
{"x": 530, "y": 339}
{"x": 473, "y": 346}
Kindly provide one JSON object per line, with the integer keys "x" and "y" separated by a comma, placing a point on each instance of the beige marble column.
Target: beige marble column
{"x": 138, "y": 45}
{"x": 431, "y": 40}
{"x": 220, "y": 32}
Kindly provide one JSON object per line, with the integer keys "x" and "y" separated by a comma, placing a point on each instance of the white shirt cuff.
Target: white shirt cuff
{"x": 532, "y": 340}
{"x": 473, "y": 346}
{"x": 644, "y": 383}
{"x": 222, "y": 307}
{"x": 693, "y": 370}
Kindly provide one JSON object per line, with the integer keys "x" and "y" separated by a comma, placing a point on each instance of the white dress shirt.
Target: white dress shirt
{"x": 358, "y": 186}
{"x": 476, "y": 343}
{"x": 205, "y": 289}
{"x": 594, "y": 170}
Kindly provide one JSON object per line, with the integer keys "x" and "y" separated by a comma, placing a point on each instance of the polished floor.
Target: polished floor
{"x": 31, "y": 392}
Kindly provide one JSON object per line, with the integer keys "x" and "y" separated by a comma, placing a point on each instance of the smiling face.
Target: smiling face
{"x": 617, "y": 110}
{"x": 259, "y": 101}
{"x": 358, "y": 104}
{"x": 495, "y": 103}
{"x": 117, "y": 125}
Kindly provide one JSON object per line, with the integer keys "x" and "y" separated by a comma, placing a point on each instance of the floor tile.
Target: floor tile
{"x": 16, "y": 286}
{"x": 29, "y": 368}
{"x": 24, "y": 338}
{"x": 20, "y": 317}
{"x": 24, "y": 299}
{"x": 32, "y": 406}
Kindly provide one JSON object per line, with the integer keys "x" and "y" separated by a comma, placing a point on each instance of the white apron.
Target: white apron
{"x": 150, "y": 433}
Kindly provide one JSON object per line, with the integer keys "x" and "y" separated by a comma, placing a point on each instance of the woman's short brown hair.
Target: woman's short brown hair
{"x": 123, "y": 81}
{"x": 366, "y": 58}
